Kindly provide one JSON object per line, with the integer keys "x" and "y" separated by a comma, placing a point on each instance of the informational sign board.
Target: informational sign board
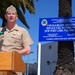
{"x": 57, "y": 29}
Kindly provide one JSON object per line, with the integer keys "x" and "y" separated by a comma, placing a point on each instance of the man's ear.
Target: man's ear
{"x": 16, "y": 16}
{"x": 5, "y": 16}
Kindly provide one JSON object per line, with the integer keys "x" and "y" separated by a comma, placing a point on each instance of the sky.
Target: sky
{"x": 43, "y": 9}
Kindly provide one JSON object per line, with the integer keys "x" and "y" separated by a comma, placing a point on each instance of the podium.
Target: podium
{"x": 11, "y": 62}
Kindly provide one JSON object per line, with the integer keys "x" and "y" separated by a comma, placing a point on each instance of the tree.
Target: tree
{"x": 65, "y": 63}
{"x": 21, "y": 6}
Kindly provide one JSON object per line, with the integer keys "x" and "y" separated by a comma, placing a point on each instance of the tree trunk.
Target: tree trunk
{"x": 65, "y": 63}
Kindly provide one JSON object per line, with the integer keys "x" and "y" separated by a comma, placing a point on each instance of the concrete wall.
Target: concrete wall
{"x": 48, "y": 58}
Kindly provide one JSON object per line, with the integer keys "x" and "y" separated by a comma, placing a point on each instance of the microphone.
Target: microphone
{"x": 2, "y": 31}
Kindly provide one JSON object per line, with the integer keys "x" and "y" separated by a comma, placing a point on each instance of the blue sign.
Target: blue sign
{"x": 57, "y": 29}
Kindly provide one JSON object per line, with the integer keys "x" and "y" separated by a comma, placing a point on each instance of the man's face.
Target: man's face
{"x": 11, "y": 16}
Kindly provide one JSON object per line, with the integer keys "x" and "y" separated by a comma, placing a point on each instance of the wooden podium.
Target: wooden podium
{"x": 11, "y": 62}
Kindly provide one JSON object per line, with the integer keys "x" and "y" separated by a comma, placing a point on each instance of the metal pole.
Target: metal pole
{"x": 39, "y": 58}
{"x": 28, "y": 63}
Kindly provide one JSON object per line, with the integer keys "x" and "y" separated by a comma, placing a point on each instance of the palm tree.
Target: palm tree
{"x": 21, "y": 6}
{"x": 65, "y": 63}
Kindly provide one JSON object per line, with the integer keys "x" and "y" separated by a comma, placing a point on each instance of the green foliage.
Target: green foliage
{"x": 21, "y": 6}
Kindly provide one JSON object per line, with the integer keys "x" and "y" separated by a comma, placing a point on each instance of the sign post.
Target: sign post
{"x": 39, "y": 58}
{"x": 55, "y": 29}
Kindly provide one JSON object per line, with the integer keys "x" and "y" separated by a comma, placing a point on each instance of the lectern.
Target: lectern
{"x": 11, "y": 62}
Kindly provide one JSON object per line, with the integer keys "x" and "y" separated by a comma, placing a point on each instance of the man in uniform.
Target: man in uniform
{"x": 15, "y": 38}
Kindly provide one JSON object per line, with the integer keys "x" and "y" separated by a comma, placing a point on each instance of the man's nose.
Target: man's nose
{"x": 11, "y": 14}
